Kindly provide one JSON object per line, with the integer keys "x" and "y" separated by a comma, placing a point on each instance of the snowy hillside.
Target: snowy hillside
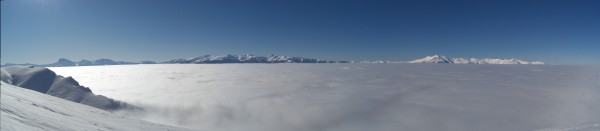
{"x": 444, "y": 59}
{"x": 46, "y": 81}
{"x": 27, "y": 110}
{"x": 353, "y": 97}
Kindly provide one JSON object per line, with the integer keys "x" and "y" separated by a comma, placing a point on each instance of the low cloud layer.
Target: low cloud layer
{"x": 343, "y": 97}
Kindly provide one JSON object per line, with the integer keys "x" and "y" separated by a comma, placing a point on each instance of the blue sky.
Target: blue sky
{"x": 554, "y": 31}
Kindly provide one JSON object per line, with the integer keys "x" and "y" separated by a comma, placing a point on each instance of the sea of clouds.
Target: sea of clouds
{"x": 347, "y": 97}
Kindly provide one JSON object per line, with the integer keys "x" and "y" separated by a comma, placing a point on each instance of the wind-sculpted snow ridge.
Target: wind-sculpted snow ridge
{"x": 44, "y": 80}
{"x": 5, "y": 77}
{"x": 27, "y": 110}
{"x": 247, "y": 58}
{"x": 444, "y": 59}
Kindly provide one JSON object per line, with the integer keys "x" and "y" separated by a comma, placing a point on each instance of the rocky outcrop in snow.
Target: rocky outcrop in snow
{"x": 448, "y": 60}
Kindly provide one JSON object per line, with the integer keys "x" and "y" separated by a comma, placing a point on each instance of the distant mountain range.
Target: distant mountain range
{"x": 247, "y": 58}
{"x": 448, "y": 60}
{"x": 205, "y": 59}
{"x": 67, "y": 62}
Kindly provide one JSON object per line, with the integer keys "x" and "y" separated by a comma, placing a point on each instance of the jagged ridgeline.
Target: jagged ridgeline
{"x": 449, "y": 60}
{"x": 247, "y": 58}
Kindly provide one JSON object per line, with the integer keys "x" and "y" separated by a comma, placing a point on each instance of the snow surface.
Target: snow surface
{"x": 46, "y": 81}
{"x": 353, "y": 97}
{"x": 27, "y": 110}
{"x": 5, "y": 77}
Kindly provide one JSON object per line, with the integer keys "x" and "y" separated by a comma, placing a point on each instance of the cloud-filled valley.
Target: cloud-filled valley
{"x": 341, "y": 97}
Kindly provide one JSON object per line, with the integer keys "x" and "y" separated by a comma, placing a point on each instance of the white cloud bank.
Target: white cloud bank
{"x": 346, "y": 97}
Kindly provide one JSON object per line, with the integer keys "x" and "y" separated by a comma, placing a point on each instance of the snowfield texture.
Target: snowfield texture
{"x": 444, "y": 59}
{"x": 27, "y": 110}
{"x": 353, "y": 97}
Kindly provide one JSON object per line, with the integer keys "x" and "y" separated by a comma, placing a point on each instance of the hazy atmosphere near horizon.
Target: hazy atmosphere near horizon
{"x": 553, "y": 31}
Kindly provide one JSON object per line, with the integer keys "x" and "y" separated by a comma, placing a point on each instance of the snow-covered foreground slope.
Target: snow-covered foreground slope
{"x": 46, "y": 81}
{"x": 359, "y": 97}
{"x": 27, "y": 110}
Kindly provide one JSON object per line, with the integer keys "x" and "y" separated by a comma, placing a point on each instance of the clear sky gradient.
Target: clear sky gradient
{"x": 553, "y": 31}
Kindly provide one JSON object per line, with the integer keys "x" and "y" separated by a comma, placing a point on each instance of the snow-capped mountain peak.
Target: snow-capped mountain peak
{"x": 444, "y": 59}
{"x": 433, "y": 59}
{"x": 64, "y": 62}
